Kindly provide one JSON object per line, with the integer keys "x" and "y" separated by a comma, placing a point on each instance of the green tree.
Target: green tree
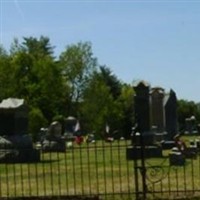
{"x": 99, "y": 107}
{"x": 6, "y": 75}
{"x": 78, "y": 64}
{"x": 36, "y": 122}
{"x": 38, "y": 77}
{"x": 37, "y": 48}
{"x": 126, "y": 100}
{"x": 186, "y": 109}
{"x": 111, "y": 81}
{"x": 96, "y": 106}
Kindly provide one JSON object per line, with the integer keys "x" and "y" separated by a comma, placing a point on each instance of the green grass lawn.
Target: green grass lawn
{"x": 100, "y": 168}
{"x": 86, "y": 169}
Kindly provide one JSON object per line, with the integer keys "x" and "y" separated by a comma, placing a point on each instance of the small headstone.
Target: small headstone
{"x": 54, "y": 141}
{"x": 176, "y": 158}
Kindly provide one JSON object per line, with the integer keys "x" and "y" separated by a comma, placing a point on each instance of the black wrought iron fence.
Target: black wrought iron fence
{"x": 89, "y": 169}
{"x": 100, "y": 170}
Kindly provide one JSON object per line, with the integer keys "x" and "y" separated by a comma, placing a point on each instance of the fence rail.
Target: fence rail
{"x": 88, "y": 169}
{"x": 100, "y": 170}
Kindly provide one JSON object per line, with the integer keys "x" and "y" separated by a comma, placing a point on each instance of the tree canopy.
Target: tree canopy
{"x": 74, "y": 84}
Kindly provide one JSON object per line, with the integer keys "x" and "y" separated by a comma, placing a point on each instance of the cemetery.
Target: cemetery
{"x": 156, "y": 161}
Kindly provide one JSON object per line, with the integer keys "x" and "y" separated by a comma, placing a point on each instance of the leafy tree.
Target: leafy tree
{"x": 78, "y": 64}
{"x": 37, "y": 48}
{"x": 186, "y": 109}
{"x": 126, "y": 100}
{"x": 37, "y": 77}
{"x": 47, "y": 90}
{"x": 111, "y": 81}
{"x": 99, "y": 107}
{"x": 36, "y": 121}
{"x": 15, "y": 47}
{"x": 96, "y": 106}
{"x": 6, "y": 75}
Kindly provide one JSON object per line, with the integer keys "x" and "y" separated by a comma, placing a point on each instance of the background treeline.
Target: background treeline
{"x": 72, "y": 84}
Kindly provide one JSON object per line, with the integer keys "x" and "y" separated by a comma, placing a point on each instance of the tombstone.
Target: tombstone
{"x": 54, "y": 142}
{"x": 13, "y": 117}
{"x": 170, "y": 116}
{"x": 176, "y": 158}
{"x": 142, "y": 106}
{"x": 143, "y": 138}
{"x": 157, "y": 110}
{"x": 170, "y": 106}
{"x": 15, "y": 143}
{"x": 193, "y": 122}
{"x": 190, "y": 125}
{"x": 69, "y": 128}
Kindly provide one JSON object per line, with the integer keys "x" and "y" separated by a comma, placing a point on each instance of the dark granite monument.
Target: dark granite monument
{"x": 157, "y": 111}
{"x": 142, "y": 106}
{"x": 170, "y": 107}
{"x": 156, "y": 119}
{"x": 15, "y": 143}
{"x": 143, "y": 141}
{"x": 170, "y": 116}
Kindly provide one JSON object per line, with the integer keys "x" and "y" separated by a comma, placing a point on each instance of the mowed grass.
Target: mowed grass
{"x": 86, "y": 169}
{"x": 98, "y": 169}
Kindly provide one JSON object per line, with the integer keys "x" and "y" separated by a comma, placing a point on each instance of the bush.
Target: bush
{"x": 36, "y": 121}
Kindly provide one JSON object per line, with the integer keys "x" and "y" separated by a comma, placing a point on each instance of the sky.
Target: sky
{"x": 155, "y": 41}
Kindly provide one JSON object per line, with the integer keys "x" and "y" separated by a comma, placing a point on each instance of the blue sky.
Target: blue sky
{"x": 156, "y": 41}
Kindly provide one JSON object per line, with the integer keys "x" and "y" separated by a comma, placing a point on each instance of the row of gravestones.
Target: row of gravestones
{"x": 16, "y": 145}
{"x": 156, "y": 124}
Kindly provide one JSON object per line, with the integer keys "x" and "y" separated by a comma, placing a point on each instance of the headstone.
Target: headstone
{"x": 15, "y": 143}
{"x": 54, "y": 142}
{"x": 143, "y": 139}
{"x": 13, "y": 117}
{"x": 142, "y": 106}
{"x": 157, "y": 110}
{"x": 69, "y": 128}
{"x": 190, "y": 125}
{"x": 176, "y": 158}
{"x": 170, "y": 107}
{"x": 149, "y": 147}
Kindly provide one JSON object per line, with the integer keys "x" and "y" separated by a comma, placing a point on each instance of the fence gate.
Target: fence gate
{"x": 164, "y": 175}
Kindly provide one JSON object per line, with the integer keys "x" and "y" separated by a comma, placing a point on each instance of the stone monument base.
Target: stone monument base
{"x": 19, "y": 156}
{"x": 57, "y": 145}
{"x": 134, "y": 152}
{"x": 176, "y": 159}
{"x": 168, "y": 144}
{"x": 18, "y": 149}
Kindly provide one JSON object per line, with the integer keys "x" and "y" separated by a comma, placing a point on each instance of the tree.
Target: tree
{"x": 38, "y": 48}
{"x": 111, "y": 81}
{"x": 186, "y": 109}
{"x": 47, "y": 89}
{"x": 78, "y": 64}
{"x": 37, "y": 77}
{"x": 36, "y": 122}
{"x": 97, "y": 106}
{"x": 126, "y": 100}
{"x": 6, "y": 75}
